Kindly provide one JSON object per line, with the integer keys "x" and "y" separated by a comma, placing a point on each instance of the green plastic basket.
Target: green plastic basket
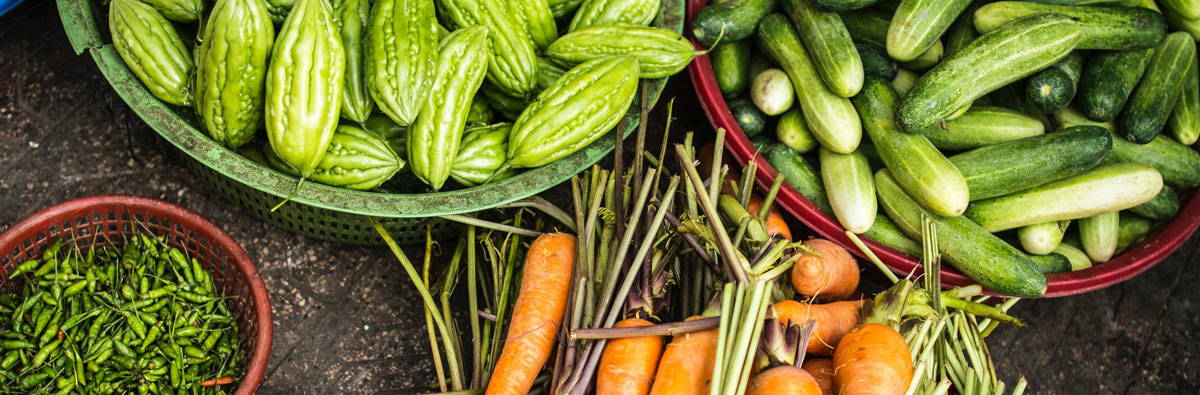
{"x": 323, "y": 211}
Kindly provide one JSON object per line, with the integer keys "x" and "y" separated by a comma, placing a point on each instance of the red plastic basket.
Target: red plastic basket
{"x": 232, "y": 271}
{"x": 1132, "y": 262}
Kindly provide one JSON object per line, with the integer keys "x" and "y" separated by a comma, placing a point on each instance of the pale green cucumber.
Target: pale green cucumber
{"x": 981, "y": 126}
{"x": 850, "y": 187}
{"x": 918, "y": 24}
{"x": 792, "y": 131}
{"x": 826, "y": 39}
{"x": 1043, "y": 238}
{"x": 1079, "y": 260}
{"x": 1107, "y": 188}
{"x": 1099, "y": 234}
{"x": 1184, "y": 122}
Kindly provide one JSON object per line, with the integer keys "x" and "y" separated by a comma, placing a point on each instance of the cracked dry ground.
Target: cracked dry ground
{"x": 346, "y": 320}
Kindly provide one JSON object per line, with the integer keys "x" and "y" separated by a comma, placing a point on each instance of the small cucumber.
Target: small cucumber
{"x": 996, "y": 59}
{"x": 1184, "y": 122}
{"x": 1164, "y": 206}
{"x": 1104, "y": 189}
{"x": 871, "y": 26}
{"x": 875, "y": 61}
{"x": 793, "y": 132}
{"x": 730, "y": 21}
{"x": 887, "y": 233}
{"x": 830, "y": 117}
{"x": 1050, "y": 90}
{"x": 1176, "y": 22}
{"x": 1187, "y": 9}
{"x": 1133, "y": 229}
{"x": 850, "y": 187}
{"x": 1108, "y": 79}
{"x": 918, "y": 24}
{"x": 904, "y": 81}
{"x": 796, "y": 171}
{"x": 962, "y": 32}
{"x": 731, "y": 66}
{"x": 842, "y": 5}
{"x": 966, "y": 246}
{"x": 772, "y": 92}
{"x": 1043, "y": 238}
{"x": 981, "y": 126}
{"x": 826, "y": 39}
{"x": 1110, "y": 28}
{"x": 1178, "y": 163}
{"x": 917, "y": 165}
{"x": 1099, "y": 234}
{"x": 1070, "y": 117}
{"x": 748, "y": 117}
{"x": 1001, "y": 169}
{"x": 1051, "y": 263}
{"x": 1159, "y": 90}
{"x": 1078, "y": 259}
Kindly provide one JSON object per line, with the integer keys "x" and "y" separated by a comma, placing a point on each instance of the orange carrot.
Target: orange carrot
{"x": 833, "y": 320}
{"x": 783, "y": 380}
{"x": 831, "y": 276}
{"x": 822, "y": 370}
{"x": 217, "y": 381}
{"x": 537, "y": 314}
{"x": 775, "y": 223}
{"x": 687, "y": 364}
{"x": 872, "y": 359}
{"x": 627, "y": 365}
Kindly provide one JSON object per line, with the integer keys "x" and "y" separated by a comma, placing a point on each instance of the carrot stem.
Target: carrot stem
{"x": 433, "y": 341}
{"x": 545, "y": 207}
{"x": 671, "y": 329}
{"x": 736, "y": 264}
{"x": 871, "y": 257}
{"x": 469, "y": 220}
{"x": 714, "y": 186}
{"x": 473, "y": 311}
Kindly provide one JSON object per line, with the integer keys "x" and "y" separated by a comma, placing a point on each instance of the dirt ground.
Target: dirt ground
{"x": 346, "y": 319}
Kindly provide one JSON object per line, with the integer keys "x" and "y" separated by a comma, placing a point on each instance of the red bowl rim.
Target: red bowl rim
{"x": 1137, "y": 259}
{"x": 257, "y": 364}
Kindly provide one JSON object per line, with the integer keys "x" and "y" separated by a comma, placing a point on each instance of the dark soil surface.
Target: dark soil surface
{"x": 346, "y": 318}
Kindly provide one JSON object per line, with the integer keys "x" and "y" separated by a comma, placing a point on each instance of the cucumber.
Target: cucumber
{"x": 826, "y": 39}
{"x": 850, "y": 187}
{"x": 1178, "y": 163}
{"x": 796, "y": 171}
{"x": 962, "y": 32}
{"x": 918, "y": 24}
{"x": 1051, "y": 263}
{"x": 748, "y": 117}
{"x": 966, "y": 246}
{"x": 1184, "y": 122}
{"x": 1186, "y": 9}
{"x": 731, "y": 66}
{"x": 996, "y": 59}
{"x": 1043, "y": 238}
{"x": 1069, "y": 117}
{"x": 831, "y": 118}
{"x": 1013, "y": 96}
{"x": 1050, "y": 90}
{"x": 1078, "y": 259}
{"x": 1192, "y": 26}
{"x": 1099, "y": 234}
{"x": 842, "y": 5}
{"x": 1164, "y": 206}
{"x": 1110, "y": 28}
{"x": 1106, "y": 188}
{"x": 917, "y": 165}
{"x": 875, "y": 61}
{"x": 1001, "y": 169}
{"x": 793, "y": 132}
{"x": 730, "y": 21}
{"x": 982, "y": 126}
{"x": 1159, "y": 89}
{"x": 904, "y": 81}
{"x": 887, "y": 233}
{"x": 1133, "y": 229}
{"x": 761, "y": 142}
{"x": 1129, "y": 3}
{"x": 1108, "y": 79}
{"x": 772, "y": 92}
{"x": 871, "y": 26}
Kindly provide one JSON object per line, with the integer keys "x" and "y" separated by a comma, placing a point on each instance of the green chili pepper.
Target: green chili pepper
{"x": 127, "y": 292}
{"x": 16, "y": 345}
{"x": 159, "y": 292}
{"x": 33, "y": 380}
{"x": 194, "y": 297}
{"x": 10, "y": 359}
{"x": 48, "y": 266}
{"x": 24, "y": 267}
{"x": 76, "y": 287}
{"x": 157, "y": 305}
{"x": 50, "y": 333}
{"x": 123, "y": 349}
{"x": 45, "y": 352}
{"x": 151, "y": 336}
{"x": 42, "y": 319}
{"x": 188, "y": 331}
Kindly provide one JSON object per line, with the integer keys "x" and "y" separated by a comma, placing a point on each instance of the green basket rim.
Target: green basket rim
{"x": 84, "y": 33}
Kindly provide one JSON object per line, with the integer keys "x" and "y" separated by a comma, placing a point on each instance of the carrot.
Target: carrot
{"x": 833, "y": 320}
{"x": 627, "y": 365}
{"x": 217, "y": 381}
{"x": 775, "y": 223}
{"x": 822, "y": 370}
{"x": 872, "y": 359}
{"x": 833, "y": 275}
{"x": 537, "y": 314}
{"x": 783, "y": 380}
{"x": 687, "y": 364}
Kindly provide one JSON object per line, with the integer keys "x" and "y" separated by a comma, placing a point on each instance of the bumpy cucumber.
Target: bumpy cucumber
{"x": 1178, "y": 163}
{"x": 981, "y": 126}
{"x": 1005, "y": 168}
{"x": 1109, "y": 28}
{"x": 1184, "y": 122}
{"x": 826, "y": 39}
{"x": 797, "y": 172}
{"x": 1108, "y": 79}
{"x": 1159, "y": 90}
{"x": 1164, "y": 206}
{"x": 918, "y": 24}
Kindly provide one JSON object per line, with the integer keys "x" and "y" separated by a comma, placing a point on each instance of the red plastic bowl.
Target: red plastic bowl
{"x": 1132, "y": 262}
{"x": 232, "y": 271}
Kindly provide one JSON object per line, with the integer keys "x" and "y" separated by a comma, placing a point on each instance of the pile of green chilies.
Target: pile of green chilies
{"x": 142, "y": 318}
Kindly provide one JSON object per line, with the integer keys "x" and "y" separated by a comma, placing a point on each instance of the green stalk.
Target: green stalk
{"x": 546, "y": 208}
{"x": 719, "y": 369}
{"x": 640, "y": 256}
{"x": 748, "y": 174}
{"x": 448, "y": 283}
{"x": 433, "y": 343}
{"x": 758, "y": 307}
{"x": 871, "y": 257}
{"x": 421, "y": 289}
{"x": 473, "y": 311}
{"x": 469, "y": 220}
{"x": 714, "y": 185}
{"x": 770, "y": 199}
{"x": 724, "y": 245}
